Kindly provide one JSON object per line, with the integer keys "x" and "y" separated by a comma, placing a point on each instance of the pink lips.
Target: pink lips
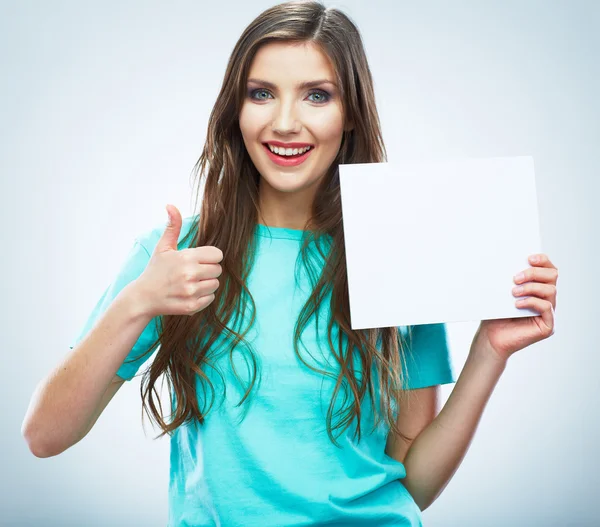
{"x": 287, "y": 161}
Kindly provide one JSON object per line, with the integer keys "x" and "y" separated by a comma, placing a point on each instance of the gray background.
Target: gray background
{"x": 104, "y": 107}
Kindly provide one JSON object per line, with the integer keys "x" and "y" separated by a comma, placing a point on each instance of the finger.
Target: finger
{"x": 208, "y": 271}
{"x": 207, "y": 287}
{"x": 537, "y": 274}
{"x": 544, "y": 291}
{"x": 544, "y": 308}
{"x": 541, "y": 260}
{"x": 207, "y": 254}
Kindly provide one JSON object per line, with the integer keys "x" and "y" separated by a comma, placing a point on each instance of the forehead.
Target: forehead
{"x": 290, "y": 61}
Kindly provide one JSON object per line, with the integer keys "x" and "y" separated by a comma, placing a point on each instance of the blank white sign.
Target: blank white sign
{"x": 437, "y": 241}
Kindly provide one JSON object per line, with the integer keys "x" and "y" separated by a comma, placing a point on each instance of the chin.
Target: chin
{"x": 286, "y": 182}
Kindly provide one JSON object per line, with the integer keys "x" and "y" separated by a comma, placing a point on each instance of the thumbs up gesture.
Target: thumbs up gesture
{"x": 179, "y": 282}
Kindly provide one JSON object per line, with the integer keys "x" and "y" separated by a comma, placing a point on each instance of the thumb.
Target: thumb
{"x": 169, "y": 238}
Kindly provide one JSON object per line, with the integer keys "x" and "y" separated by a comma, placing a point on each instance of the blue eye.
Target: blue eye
{"x": 324, "y": 96}
{"x": 254, "y": 92}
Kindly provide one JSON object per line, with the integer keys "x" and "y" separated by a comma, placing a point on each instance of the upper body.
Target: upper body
{"x": 297, "y": 100}
{"x": 270, "y": 460}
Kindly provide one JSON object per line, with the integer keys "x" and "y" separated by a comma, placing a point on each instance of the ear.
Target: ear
{"x": 349, "y": 127}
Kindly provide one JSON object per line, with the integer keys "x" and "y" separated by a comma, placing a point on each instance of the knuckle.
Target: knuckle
{"x": 187, "y": 275}
{"x": 189, "y": 289}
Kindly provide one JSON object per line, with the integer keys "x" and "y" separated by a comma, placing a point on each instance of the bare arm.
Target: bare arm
{"x": 439, "y": 449}
{"x": 420, "y": 408}
{"x": 67, "y": 403}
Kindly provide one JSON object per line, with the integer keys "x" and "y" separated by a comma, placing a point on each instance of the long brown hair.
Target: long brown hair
{"x": 228, "y": 217}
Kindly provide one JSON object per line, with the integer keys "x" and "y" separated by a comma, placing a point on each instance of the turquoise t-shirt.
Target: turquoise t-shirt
{"x": 270, "y": 462}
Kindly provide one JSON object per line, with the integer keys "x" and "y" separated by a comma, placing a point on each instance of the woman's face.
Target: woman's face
{"x": 278, "y": 110}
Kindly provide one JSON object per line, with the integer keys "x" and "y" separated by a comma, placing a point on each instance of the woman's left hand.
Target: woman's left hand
{"x": 508, "y": 335}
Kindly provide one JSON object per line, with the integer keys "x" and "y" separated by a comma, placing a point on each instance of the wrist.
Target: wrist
{"x": 483, "y": 352}
{"x": 136, "y": 299}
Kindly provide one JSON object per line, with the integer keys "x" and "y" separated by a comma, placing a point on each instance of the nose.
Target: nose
{"x": 284, "y": 120}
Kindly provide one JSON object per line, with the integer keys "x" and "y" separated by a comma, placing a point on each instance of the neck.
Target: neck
{"x": 285, "y": 210}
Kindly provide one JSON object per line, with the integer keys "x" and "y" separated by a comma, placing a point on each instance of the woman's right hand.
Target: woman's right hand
{"x": 179, "y": 282}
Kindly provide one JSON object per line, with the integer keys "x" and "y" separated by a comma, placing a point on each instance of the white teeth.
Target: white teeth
{"x": 288, "y": 151}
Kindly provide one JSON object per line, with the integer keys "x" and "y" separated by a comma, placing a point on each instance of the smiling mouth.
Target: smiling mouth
{"x": 283, "y": 156}
{"x": 287, "y": 161}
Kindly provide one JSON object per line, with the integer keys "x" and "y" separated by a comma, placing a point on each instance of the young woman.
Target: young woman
{"x": 281, "y": 414}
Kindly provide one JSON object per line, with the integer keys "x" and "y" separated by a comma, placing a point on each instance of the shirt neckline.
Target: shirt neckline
{"x": 266, "y": 231}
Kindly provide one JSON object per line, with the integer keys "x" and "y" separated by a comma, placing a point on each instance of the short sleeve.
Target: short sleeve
{"x": 133, "y": 266}
{"x": 428, "y": 361}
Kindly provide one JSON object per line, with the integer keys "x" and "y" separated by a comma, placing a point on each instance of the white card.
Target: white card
{"x": 437, "y": 241}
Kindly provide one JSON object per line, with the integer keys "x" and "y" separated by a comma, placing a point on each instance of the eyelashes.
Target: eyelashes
{"x": 323, "y": 95}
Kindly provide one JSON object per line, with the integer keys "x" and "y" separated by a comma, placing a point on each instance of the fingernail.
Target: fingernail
{"x": 534, "y": 259}
{"x": 519, "y": 277}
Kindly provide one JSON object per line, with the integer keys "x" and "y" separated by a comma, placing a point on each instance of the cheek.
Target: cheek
{"x": 328, "y": 127}
{"x": 250, "y": 121}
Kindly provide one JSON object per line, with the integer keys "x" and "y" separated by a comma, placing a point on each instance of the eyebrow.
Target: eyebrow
{"x": 300, "y": 85}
